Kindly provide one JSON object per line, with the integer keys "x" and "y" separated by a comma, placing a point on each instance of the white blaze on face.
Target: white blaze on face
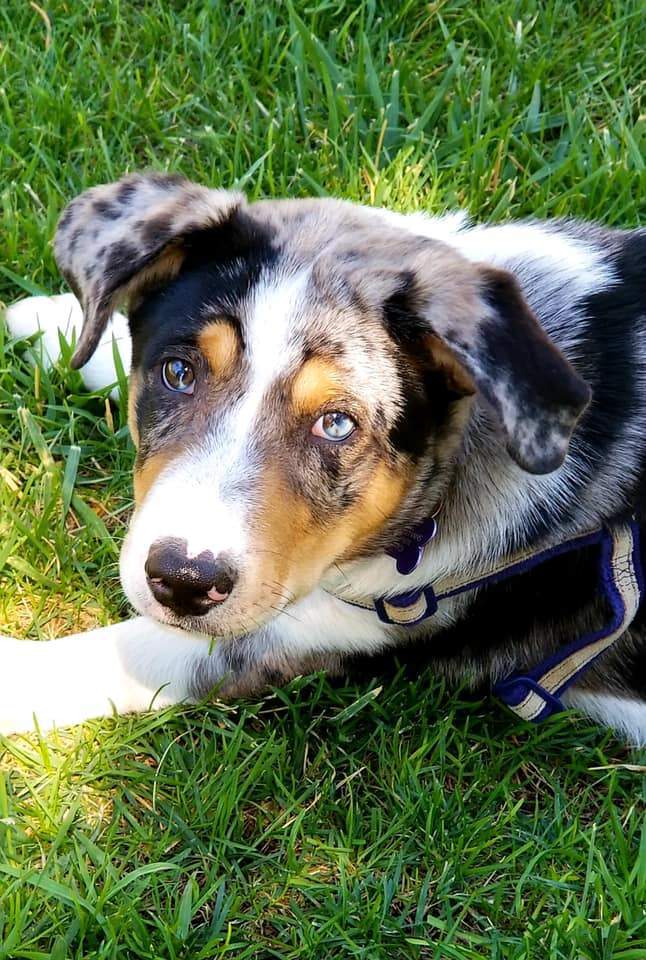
{"x": 202, "y": 496}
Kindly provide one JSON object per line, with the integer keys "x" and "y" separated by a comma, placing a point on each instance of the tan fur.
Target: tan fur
{"x": 443, "y": 358}
{"x": 147, "y": 472}
{"x": 134, "y": 386}
{"x": 295, "y": 548}
{"x": 219, "y": 343}
{"x": 381, "y": 498}
{"x": 161, "y": 271}
{"x": 286, "y": 530}
{"x": 317, "y": 382}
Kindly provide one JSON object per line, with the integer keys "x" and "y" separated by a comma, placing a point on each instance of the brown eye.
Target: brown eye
{"x": 178, "y": 375}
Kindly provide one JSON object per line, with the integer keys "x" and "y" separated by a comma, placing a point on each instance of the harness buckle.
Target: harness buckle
{"x": 407, "y": 609}
{"x": 527, "y": 698}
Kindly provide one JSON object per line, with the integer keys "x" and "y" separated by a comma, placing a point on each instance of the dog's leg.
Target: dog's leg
{"x": 131, "y": 667}
{"x": 626, "y": 715}
{"x": 62, "y": 314}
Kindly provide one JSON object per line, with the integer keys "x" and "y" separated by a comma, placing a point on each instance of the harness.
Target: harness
{"x": 536, "y": 694}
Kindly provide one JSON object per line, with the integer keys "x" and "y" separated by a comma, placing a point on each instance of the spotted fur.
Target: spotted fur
{"x": 123, "y": 236}
{"x": 498, "y": 371}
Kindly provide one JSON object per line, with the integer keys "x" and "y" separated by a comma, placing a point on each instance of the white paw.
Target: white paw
{"x": 63, "y": 314}
{"x": 17, "y": 693}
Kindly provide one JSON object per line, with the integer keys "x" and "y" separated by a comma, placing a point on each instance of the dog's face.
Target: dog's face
{"x": 302, "y": 377}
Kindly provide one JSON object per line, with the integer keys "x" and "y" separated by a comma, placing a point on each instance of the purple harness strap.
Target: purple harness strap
{"x": 536, "y": 694}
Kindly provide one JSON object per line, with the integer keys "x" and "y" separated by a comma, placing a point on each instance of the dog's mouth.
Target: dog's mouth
{"x": 211, "y": 620}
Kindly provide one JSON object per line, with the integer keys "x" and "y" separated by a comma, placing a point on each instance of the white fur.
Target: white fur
{"x": 201, "y": 497}
{"x": 62, "y": 314}
{"x": 273, "y": 314}
{"x": 321, "y": 623}
{"x": 185, "y": 503}
{"x": 505, "y": 243}
{"x": 626, "y": 716}
{"x": 127, "y": 667}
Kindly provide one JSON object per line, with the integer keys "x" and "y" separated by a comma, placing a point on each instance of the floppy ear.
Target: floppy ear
{"x": 488, "y": 337}
{"x": 118, "y": 239}
{"x": 534, "y": 390}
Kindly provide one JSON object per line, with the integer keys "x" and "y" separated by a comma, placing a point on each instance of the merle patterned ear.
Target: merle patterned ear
{"x": 117, "y": 239}
{"x": 481, "y": 316}
{"x": 535, "y": 391}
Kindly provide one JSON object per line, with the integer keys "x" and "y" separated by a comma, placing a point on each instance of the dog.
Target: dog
{"x": 361, "y": 435}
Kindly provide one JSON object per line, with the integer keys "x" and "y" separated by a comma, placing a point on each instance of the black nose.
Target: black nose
{"x": 188, "y": 586}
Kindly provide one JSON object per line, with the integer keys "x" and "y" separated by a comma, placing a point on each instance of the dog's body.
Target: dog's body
{"x": 261, "y": 335}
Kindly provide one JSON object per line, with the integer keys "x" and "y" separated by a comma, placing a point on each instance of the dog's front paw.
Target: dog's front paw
{"x": 62, "y": 314}
{"x": 17, "y": 689}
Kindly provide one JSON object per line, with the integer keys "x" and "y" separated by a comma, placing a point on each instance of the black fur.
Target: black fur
{"x": 532, "y": 606}
{"x": 612, "y": 344}
{"x": 220, "y": 269}
{"x": 522, "y": 340}
{"x": 530, "y": 616}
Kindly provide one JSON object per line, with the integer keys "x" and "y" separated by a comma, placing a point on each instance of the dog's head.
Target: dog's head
{"x": 302, "y": 375}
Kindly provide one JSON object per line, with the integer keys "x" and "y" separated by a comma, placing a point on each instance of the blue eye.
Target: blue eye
{"x": 335, "y": 426}
{"x": 178, "y": 375}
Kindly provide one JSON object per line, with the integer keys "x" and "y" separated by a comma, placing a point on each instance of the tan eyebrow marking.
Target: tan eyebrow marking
{"x": 317, "y": 382}
{"x": 220, "y": 344}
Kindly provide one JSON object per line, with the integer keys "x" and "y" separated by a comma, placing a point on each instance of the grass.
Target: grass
{"x": 319, "y": 823}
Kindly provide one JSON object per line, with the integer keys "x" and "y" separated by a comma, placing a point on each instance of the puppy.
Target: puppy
{"x": 361, "y": 435}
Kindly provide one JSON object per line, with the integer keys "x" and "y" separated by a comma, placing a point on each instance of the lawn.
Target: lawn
{"x": 375, "y": 822}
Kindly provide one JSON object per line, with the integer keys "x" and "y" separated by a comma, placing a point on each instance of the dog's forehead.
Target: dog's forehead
{"x": 276, "y": 317}
{"x": 288, "y": 298}
{"x": 310, "y": 281}
{"x": 290, "y": 317}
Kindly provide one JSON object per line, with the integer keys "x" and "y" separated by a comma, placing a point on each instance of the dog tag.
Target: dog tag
{"x": 409, "y": 557}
